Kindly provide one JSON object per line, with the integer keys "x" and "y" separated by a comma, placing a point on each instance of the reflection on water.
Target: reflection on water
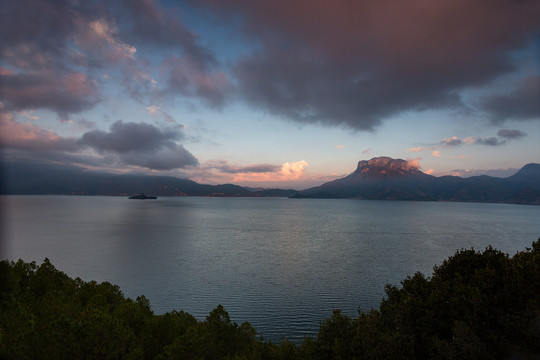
{"x": 282, "y": 264}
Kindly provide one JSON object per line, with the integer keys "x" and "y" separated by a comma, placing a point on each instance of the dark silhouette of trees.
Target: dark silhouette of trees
{"x": 476, "y": 305}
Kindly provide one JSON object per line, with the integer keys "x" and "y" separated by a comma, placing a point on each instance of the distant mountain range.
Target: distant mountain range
{"x": 396, "y": 179}
{"x": 41, "y": 179}
{"x": 378, "y": 178}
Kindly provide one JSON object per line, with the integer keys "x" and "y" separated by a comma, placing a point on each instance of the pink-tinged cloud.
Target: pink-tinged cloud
{"x": 157, "y": 111}
{"x": 339, "y": 147}
{"x": 413, "y": 163}
{"x": 451, "y": 141}
{"x": 59, "y": 40}
{"x": 220, "y": 171}
{"x": 4, "y": 71}
{"x": 416, "y": 149}
{"x": 103, "y": 37}
{"x": 367, "y": 151}
{"x": 290, "y": 171}
{"x": 30, "y": 137}
{"x": 28, "y": 114}
{"x": 429, "y": 171}
{"x": 436, "y": 153}
{"x": 293, "y": 170}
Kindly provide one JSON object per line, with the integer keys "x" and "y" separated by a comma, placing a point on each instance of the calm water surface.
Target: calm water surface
{"x": 281, "y": 264}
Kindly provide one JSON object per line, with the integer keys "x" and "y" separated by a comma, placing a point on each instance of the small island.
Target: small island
{"x": 142, "y": 196}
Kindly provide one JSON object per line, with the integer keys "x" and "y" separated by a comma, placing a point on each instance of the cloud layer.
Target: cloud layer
{"x": 358, "y": 62}
{"x": 133, "y": 144}
{"x": 54, "y": 61}
{"x": 352, "y": 63}
{"x": 141, "y": 144}
{"x": 256, "y": 174}
{"x": 522, "y": 101}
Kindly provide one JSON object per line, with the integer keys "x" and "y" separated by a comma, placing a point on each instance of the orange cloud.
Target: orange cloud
{"x": 436, "y": 153}
{"x": 416, "y": 149}
{"x": 414, "y": 163}
{"x": 293, "y": 170}
{"x": 288, "y": 171}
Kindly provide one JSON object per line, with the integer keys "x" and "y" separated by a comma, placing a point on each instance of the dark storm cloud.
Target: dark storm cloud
{"x": 43, "y": 24}
{"x": 163, "y": 159}
{"x": 523, "y": 103}
{"x": 126, "y": 137}
{"x": 325, "y": 91}
{"x": 141, "y": 144}
{"x": 511, "y": 134}
{"x": 358, "y": 62}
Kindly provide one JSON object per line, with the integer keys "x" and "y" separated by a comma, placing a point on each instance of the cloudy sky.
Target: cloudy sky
{"x": 270, "y": 93}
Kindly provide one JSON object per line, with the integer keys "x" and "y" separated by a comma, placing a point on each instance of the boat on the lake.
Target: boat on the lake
{"x": 142, "y": 196}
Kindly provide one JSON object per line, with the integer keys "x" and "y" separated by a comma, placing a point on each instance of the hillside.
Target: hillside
{"x": 47, "y": 179}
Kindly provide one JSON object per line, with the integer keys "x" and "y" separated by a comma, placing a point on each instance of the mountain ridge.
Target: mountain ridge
{"x": 380, "y": 178}
{"x": 384, "y": 178}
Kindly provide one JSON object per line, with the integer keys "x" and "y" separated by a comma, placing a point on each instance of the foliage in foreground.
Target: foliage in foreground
{"x": 476, "y": 305}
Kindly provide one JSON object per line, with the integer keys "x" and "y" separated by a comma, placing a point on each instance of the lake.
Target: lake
{"x": 281, "y": 264}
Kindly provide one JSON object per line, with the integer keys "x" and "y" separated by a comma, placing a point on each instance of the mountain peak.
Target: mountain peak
{"x": 386, "y": 166}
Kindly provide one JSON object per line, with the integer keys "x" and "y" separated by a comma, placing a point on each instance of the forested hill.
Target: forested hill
{"x": 476, "y": 305}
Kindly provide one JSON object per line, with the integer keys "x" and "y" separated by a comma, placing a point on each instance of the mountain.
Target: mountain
{"x": 397, "y": 179}
{"x": 378, "y": 178}
{"x": 37, "y": 179}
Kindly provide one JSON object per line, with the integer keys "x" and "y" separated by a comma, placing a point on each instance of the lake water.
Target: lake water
{"x": 281, "y": 264}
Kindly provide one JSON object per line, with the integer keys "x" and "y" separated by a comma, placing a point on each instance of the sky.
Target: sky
{"x": 287, "y": 94}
